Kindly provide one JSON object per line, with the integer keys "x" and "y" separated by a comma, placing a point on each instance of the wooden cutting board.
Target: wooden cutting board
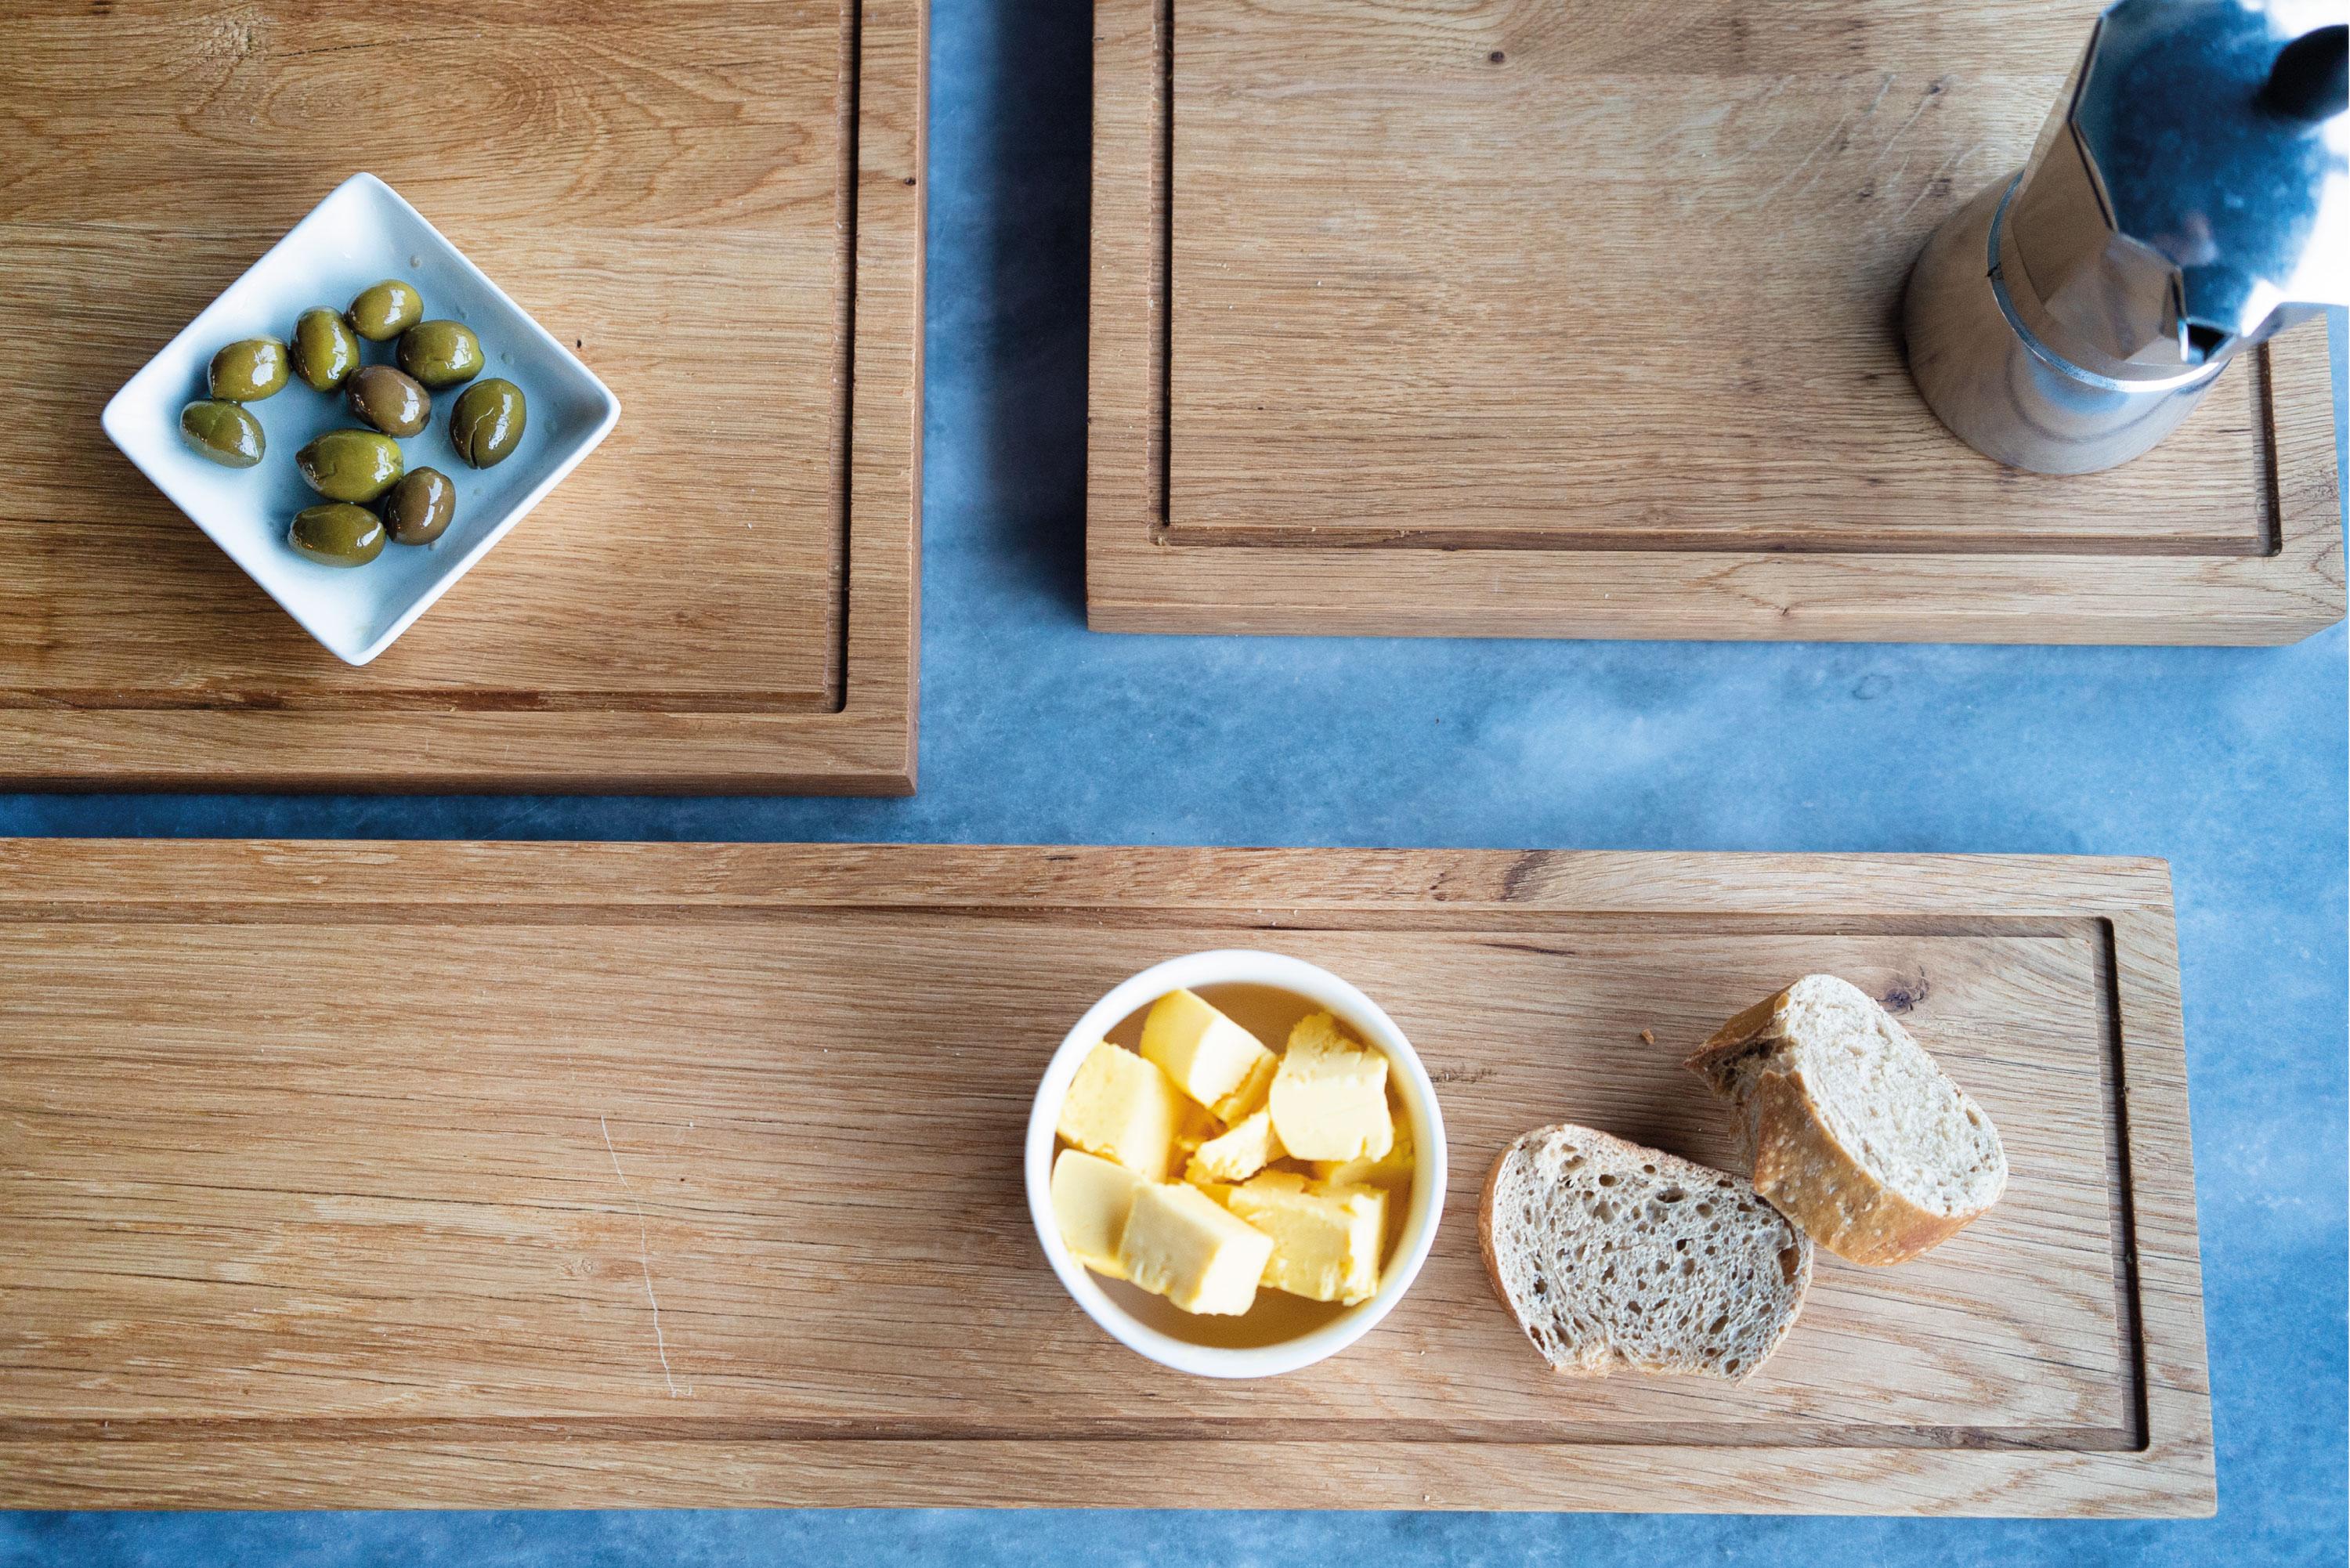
{"x": 716, "y": 200}
{"x": 556, "y": 1174}
{"x": 1519, "y": 318}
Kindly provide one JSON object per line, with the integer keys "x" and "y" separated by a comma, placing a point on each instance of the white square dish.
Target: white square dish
{"x": 360, "y": 234}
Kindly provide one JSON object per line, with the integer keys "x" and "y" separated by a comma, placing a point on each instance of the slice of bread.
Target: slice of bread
{"x": 1609, "y": 1254}
{"x": 1855, "y": 1133}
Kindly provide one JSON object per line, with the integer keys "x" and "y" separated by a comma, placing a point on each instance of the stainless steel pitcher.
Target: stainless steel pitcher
{"x": 2190, "y": 195}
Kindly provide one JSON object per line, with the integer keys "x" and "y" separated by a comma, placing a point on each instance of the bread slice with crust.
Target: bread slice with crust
{"x": 1856, "y": 1132}
{"x": 1611, "y": 1255}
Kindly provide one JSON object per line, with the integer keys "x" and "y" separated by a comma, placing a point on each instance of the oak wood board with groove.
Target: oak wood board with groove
{"x": 690, "y": 1174}
{"x": 718, "y": 202}
{"x": 1520, "y": 319}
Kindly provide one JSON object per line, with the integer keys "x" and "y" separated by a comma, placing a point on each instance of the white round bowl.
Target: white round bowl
{"x": 1375, "y": 1028}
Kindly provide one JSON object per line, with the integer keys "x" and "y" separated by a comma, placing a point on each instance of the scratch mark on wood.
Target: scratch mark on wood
{"x": 644, "y": 1257}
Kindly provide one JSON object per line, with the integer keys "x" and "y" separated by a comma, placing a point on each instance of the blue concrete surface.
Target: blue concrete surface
{"x": 2231, "y": 762}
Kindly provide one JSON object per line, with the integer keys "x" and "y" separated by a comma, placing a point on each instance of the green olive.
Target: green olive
{"x": 486, "y": 424}
{"x": 389, "y": 400}
{"x": 336, "y": 534}
{"x": 325, "y": 350}
{"x": 420, "y": 508}
{"x": 226, "y": 432}
{"x": 441, "y": 353}
{"x": 350, "y": 465}
{"x": 384, "y": 310}
{"x": 248, "y": 371}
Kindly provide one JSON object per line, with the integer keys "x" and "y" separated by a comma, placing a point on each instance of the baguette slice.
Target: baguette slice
{"x": 1855, "y": 1133}
{"x": 1609, "y": 1254}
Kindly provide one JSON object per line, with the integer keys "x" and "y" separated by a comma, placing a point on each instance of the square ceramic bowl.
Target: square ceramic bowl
{"x": 362, "y": 233}
{"x": 1282, "y": 1333}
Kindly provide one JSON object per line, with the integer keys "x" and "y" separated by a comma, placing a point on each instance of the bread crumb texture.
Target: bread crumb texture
{"x": 1853, "y": 1128}
{"x": 1612, "y": 1255}
{"x": 1888, "y": 1102}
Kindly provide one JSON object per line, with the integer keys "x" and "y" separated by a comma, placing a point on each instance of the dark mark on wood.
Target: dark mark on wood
{"x": 1514, "y": 880}
{"x": 1538, "y": 948}
{"x": 1905, "y": 994}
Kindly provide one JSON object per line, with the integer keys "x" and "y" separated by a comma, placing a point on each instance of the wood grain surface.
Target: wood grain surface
{"x": 717, "y": 201}
{"x": 1527, "y": 320}
{"x": 354, "y": 1174}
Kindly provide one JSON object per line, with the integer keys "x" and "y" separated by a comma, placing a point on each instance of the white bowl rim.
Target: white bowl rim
{"x": 1241, "y": 966}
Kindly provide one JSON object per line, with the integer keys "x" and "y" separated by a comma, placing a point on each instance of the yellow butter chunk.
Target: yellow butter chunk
{"x": 1211, "y": 1058}
{"x": 1326, "y": 1239}
{"x": 1182, "y": 1244}
{"x": 1392, "y": 1168}
{"x": 1239, "y": 1154}
{"x": 1196, "y": 1128}
{"x": 1091, "y": 1199}
{"x": 1222, "y": 1191}
{"x": 1123, "y": 1109}
{"x": 1329, "y": 1098}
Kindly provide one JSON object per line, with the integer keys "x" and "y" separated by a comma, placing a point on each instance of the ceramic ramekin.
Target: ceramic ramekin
{"x": 362, "y": 231}
{"x": 1374, "y": 1027}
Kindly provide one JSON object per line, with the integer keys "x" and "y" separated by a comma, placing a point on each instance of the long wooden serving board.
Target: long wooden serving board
{"x": 718, "y": 202}
{"x": 403, "y": 1174}
{"x": 1507, "y": 318}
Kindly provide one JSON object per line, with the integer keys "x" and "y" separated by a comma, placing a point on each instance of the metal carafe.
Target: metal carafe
{"x": 2188, "y": 196}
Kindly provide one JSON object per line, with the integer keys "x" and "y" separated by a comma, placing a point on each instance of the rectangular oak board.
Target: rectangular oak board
{"x": 718, "y": 202}
{"x": 613, "y": 1175}
{"x": 1522, "y": 319}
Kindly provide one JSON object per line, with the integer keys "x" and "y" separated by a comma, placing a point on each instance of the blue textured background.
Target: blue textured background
{"x": 2231, "y": 762}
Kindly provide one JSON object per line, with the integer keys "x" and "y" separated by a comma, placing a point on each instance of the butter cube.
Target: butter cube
{"x": 1181, "y": 1244}
{"x": 1091, "y": 1199}
{"x": 1196, "y": 1128}
{"x": 1392, "y": 1168}
{"x": 1239, "y": 1154}
{"x": 1329, "y": 1096}
{"x": 1326, "y": 1239}
{"x": 1222, "y": 1191}
{"x": 1123, "y": 1109}
{"x": 1211, "y": 1058}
